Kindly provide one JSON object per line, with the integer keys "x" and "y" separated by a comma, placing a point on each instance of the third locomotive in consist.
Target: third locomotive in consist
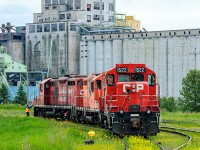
{"x": 124, "y": 99}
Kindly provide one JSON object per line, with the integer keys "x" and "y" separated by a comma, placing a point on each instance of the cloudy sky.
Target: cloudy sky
{"x": 153, "y": 14}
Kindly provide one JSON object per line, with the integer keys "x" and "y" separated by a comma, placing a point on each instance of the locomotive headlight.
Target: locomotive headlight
{"x": 148, "y": 111}
{"x": 121, "y": 111}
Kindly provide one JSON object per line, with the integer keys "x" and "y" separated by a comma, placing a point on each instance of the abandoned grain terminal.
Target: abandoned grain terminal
{"x": 81, "y": 36}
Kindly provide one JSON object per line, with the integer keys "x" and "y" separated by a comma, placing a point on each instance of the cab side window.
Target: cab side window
{"x": 98, "y": 84}
{"x": 151, "y": 80}
{"x": 47, "y": 86}
{"x": 92, "y": 86}
{"x": 110, "y": 79}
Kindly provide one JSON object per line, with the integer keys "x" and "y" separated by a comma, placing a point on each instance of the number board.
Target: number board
{"x": 122, "y": 70}
{"x": 140, "y": 70}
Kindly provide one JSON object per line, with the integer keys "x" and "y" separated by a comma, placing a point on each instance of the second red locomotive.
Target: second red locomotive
{"x": 124, "y": 99}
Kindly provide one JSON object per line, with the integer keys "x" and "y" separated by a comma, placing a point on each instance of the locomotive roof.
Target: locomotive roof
{"x": 123, "y": 65}
{"x": 63, "y": 79}
{"x": 45, "y": 80}
{"x": 53, "y": 79}
{"x": 90, "y": 77}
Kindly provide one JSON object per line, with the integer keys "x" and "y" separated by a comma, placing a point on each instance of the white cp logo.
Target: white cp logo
{"x": 135, "y": 87}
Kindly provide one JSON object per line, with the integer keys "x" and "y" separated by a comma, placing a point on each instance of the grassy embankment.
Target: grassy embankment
{"x": 20, "y": 132}
{"x": 190, "y": 121}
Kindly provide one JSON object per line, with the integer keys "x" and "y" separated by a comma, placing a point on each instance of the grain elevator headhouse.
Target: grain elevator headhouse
{"x": 53, "y": 39}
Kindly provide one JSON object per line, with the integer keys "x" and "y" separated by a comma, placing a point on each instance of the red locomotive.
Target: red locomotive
{"x": 124, "y": 99}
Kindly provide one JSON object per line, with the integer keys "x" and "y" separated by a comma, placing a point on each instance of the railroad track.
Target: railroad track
{"x": 174, "y": 131}
{"x": 180, "y": 129}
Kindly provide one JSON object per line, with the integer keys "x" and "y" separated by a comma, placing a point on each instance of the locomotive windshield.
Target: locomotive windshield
{"x": 137, "y": 77}
{"x": 132, "y": 77}
{"x": 123, "y": 78}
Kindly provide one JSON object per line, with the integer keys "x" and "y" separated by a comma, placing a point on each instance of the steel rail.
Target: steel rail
{"x": 126, "y": 144}
{"x": 157, "y": 143}
{"x": 182, "y": 134}
{"x": 179, "y": 129}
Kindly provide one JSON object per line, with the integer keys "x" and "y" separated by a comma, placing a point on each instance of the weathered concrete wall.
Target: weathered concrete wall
{"x": 171, "y": 54}
{"x": 56, "y": 51}
{"x": 16, "y": 50}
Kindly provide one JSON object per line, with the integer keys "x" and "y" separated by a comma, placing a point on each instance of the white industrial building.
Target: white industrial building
{"x": 75, "y": 36}
{"x": 52, "y": 40}
{"x": 171, "y": 54}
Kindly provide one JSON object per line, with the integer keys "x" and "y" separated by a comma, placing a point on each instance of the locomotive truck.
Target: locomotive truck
{"x": 124, "y": 99}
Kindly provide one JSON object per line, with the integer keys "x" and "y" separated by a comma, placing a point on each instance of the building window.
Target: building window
{"x": 102, "y": 6}
{"x": 96, "y": 17}
{"x": 72, "y": 27}
{"x": 88, "y": 7}
{"x": 54, "y": 27}
{"x": 97, "y": 5}
{"x": 69, "y": 16}
{"x": 32, "y": 29}
{"x": 62, "y": 2}
{"x": 54, "y": 7}
{"x": 54, "y": 2}
{"x": 47, "y": 28}
{"x": 46, "y": 8}
{"x": 62, "y": 16}
{"x": 47, "y": 2}
{"x": 39, "y": 18}
{"x": 102, "y": 18}
{"x": 88, "y": 18}
{"x": 78, "y": 4}
{"x": 39, "y": 28}
{"x": 69, "y": 4}
{"x": 111, "y": 18}
{"x": 111, "y": 7}
{"x": 61, "y": 26}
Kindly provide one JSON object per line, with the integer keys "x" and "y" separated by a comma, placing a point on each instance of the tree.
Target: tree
{"x": 191, "y": 91}
{"x": 21, "y": 97}
{"x": 169, "y": 104}
{"x": 4, "y": 96}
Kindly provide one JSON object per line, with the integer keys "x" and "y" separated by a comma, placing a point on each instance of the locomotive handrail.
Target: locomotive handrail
{"x": 117, "y": 96}
{"x": 152, "y": 100}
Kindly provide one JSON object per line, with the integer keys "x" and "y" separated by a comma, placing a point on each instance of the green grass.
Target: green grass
{"x": 24, "y": 133}
{"x": 190, "y": 121}
{"x": 139, "y": 143}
